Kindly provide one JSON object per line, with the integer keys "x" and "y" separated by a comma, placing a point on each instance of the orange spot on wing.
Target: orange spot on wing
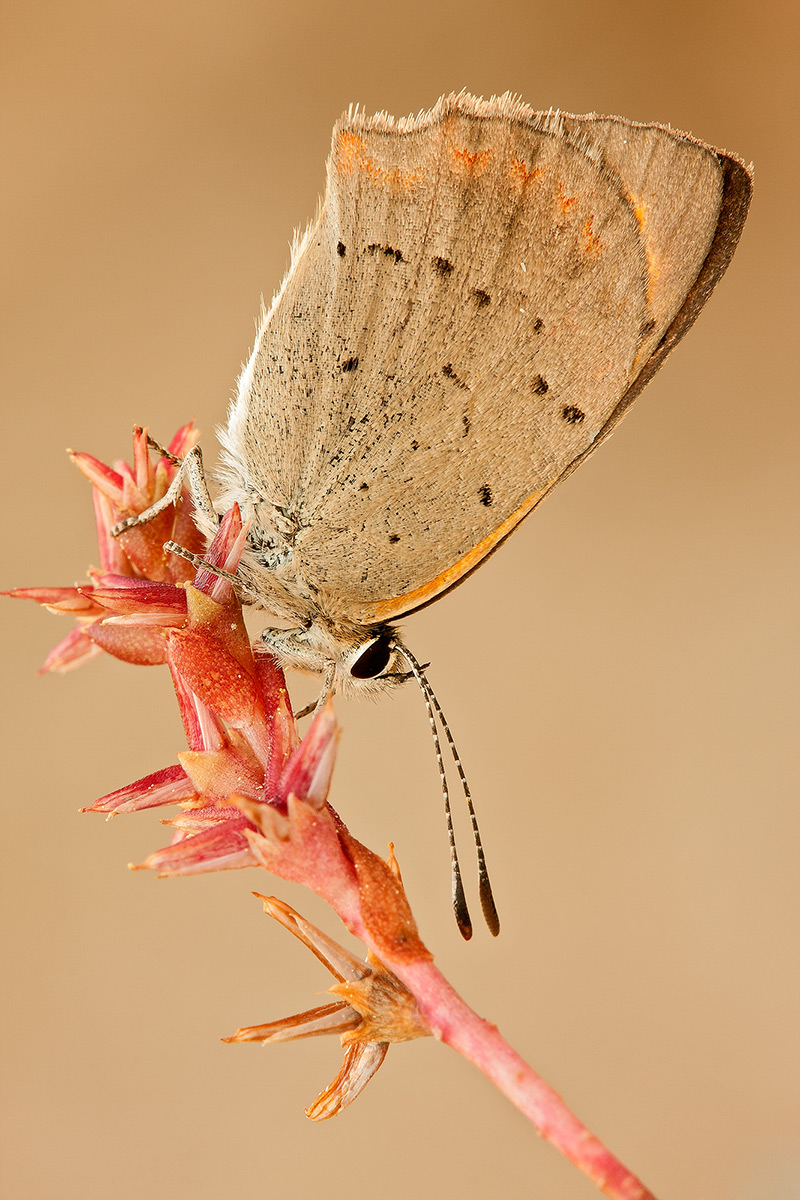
{"x": 384, "y": 610}
{"x": 640, "y": 212}
{"x": 591, "y": 242}
{"x": 469, "y": 162}
{"x": 566, "y": 202}
{"x": 352, "y": 156}
{"x": 520, "y": 174}
{"x": 350, "y": 148}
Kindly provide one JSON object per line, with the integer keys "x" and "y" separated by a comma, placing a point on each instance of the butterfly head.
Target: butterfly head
{"x": 360, "y": 660}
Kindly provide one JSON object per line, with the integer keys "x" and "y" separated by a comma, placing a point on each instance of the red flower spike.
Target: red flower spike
{"x": 251, "y": 794}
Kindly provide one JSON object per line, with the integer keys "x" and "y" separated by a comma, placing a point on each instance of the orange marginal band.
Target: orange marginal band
{"x": 384, "y": 610}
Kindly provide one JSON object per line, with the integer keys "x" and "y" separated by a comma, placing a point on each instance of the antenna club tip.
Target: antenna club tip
{"x": 488, "y": 907}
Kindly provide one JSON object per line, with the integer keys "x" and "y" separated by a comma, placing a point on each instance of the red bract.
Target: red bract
{"x": 135, "y": 574}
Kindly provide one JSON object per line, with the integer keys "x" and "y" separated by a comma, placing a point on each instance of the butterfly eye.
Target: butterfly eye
{"x": 374, "y": 659}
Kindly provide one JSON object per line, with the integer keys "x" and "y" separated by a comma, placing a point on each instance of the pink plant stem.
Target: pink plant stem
{"x": 453, "y": 1022}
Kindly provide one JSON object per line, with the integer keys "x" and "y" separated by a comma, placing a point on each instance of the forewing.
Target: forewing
{"x": 465, "y": 321}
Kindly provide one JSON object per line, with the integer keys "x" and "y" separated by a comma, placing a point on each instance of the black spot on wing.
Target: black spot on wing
{"x": 350, "y": 364}
{"x": 540, "y": 385}
{"x": 485, "y": 495}
{"x": 450, "y": 373}
{"x": 386, "y": 251}
{"x": 442, "y": 265}
{"x": 341, "y": 249}
{"x": 481, "y": 297}
{"x": 572, "y": 414}
{"x": 538, "y": 325}
{"x": 394, "y": 537}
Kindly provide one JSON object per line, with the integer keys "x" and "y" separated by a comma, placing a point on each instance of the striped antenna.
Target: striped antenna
{"x": 484, "y": 885}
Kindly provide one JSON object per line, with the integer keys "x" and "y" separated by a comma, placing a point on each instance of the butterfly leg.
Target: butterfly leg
{"x": 190, "y": 471}
{"x": 202, "y": 564}
{"x": 321, "y": 700}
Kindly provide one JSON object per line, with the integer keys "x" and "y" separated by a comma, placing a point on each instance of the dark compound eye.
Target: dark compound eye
{"x": 374, "y": 659}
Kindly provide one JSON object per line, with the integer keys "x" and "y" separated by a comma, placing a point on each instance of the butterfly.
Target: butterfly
{"x": 484, "y": 292}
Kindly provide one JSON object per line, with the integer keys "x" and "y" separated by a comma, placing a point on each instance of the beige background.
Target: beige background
{"x": 621, "y": 677}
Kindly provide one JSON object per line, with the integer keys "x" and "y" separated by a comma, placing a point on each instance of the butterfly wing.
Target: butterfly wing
{"x": 485, "y": 291}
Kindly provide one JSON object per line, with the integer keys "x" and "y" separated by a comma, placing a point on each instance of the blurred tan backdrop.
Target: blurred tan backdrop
{"x": 621, "y": 677}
